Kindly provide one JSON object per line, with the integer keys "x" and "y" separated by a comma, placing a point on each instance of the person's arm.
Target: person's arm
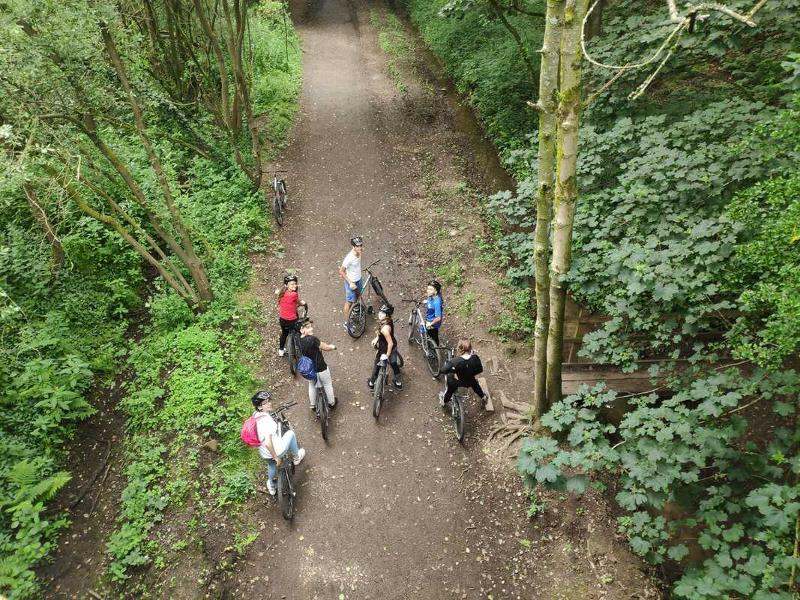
{"x": 386, "y": 331}
{"x": 342, "y": 272}
{"x": 271, "y": 449}
{"x": 324, "y": 346}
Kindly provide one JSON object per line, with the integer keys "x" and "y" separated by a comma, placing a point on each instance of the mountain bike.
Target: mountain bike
{"x": 380, "y": 385}
{"x": 293, "y": 352}
{"x": 418, "y": 334}
{"x": 357, "y": 319}
{"x": 279, "y": 198}
{"x": 458, "y": 404}
{"x": 286, "y": 491}
{"x": 322, "y": 409}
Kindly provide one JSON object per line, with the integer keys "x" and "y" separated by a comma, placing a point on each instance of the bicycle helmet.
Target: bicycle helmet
{"x": 436, "y": 285}
{"x": 386, "y": 309}
{"x": 288, "y": 278}
{"x": 259, "y": 398}
{"x": 356, "y": 241}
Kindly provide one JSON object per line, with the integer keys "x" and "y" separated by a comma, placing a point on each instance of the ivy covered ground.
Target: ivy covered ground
{"x": 686, "y": 238}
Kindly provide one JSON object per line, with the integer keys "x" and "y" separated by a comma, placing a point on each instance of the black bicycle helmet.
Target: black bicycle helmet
{"x": 356, "y": 241}
{"x": 436, "y": 285}
{"x": 288, "y": 278}
{"x": 259, "y": 398}
{"x": 386, "y": 309}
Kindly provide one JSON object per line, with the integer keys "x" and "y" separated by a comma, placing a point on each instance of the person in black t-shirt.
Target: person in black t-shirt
{"x": 386, "y": 345}
{"x": 312, "y": 347}
{"x": 461, "y": 372}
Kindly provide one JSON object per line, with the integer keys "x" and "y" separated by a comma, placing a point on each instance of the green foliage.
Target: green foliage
{"x": 394, "y": 41}
{"x": 63, "y": 326}
{"x": 451, "y": 273}
{"x": 687, "y": 464}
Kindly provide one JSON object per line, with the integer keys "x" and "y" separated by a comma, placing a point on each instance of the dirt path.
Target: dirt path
{"x": 394, "y": 509}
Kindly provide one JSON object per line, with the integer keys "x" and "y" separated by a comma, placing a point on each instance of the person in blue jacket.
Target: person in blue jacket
{"x": 434, "y": 310}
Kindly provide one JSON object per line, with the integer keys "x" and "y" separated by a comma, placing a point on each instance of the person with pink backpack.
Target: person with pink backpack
{"x": 261, "y": 431}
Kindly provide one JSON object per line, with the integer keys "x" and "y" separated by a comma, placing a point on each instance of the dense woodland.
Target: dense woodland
{"x": 132, "y": 138}
{"x": 687, "y": 238}
{"x": 133, "y": 135}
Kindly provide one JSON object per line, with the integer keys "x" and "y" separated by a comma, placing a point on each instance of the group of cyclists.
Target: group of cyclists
{"x": 461, "y": 371}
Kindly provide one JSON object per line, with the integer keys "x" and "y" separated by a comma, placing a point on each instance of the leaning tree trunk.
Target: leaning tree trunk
{"x": 40, "y": 216}
{"x": 546, "y": 105}
{"x": 566, "y": 192}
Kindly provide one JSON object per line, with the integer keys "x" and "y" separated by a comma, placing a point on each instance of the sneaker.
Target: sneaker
{"x": 300, "y": 456}
{"x": 333, "y": 404}
{"x": 370, "y": 384}
{"x": 398, "y": 384}
{"x": 441, "y": 399}
{"x": 271, "y": 487}
{"x": 281, "y": 352}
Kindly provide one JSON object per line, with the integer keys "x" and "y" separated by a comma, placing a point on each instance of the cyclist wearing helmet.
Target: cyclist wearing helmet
{"x": 386, "y": 345}
{"x": 272, "y": 446}
{"x": 350, "y": 272}
{"x": 435, "y": 310}
{"x": 288, "y": 301}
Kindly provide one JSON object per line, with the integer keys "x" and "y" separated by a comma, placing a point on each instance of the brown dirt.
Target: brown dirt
{"x": 397, "y": 508}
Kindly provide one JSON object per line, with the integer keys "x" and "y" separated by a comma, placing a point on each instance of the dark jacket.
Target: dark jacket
{"x": 465, "y": 369}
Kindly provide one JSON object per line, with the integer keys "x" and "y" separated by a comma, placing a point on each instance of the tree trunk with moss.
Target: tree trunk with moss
{"x": 566, "y": 190}
{"x": 546, "y": 105}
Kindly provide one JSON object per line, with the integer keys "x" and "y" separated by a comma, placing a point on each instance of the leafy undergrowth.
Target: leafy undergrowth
{"x": 64, "y": 318}
{"x": 192, "y": 374}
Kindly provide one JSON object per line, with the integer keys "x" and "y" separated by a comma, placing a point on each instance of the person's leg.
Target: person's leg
{"x": 433, "y": 333}
{"x": 375, "y": 369}
{"x": 327, "y": 382}
{"x": 312, "y": 394}
{"x": 452, "y": 386}
{"x": 286, "y": 327}
{"x": 272, "y": 469}
{"x": 476, "y": 387}
{"x": 395, "y": 369}
{"x": 289, "y": 442}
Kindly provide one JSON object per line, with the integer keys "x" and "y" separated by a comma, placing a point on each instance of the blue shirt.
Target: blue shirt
{"x": 434, "y": 306}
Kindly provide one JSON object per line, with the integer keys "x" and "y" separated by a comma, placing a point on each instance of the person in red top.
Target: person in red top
{"x": 288, "y": 301}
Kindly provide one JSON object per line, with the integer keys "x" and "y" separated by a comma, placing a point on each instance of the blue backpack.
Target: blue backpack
{"x": 305, "y": 366}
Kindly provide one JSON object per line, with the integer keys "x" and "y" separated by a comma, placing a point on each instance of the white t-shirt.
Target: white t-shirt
{"x": 266, "y": 428}
{"x": 352, "y": 266}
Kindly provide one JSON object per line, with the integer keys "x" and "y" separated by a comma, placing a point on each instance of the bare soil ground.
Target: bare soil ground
{"x": 397, "y": 508}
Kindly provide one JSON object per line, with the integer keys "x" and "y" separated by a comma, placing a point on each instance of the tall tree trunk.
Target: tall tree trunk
{"x": 546, "y": 105}
{"x": 566, "y": 192}
{"x": 594, "y": 24}
{"x": 40, "y": 215}
{"x": 192, "y": 261}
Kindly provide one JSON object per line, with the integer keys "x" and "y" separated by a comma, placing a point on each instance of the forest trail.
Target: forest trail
{"x": 394, "y": 509}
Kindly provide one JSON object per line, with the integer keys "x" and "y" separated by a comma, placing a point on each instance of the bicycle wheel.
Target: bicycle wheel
{"x": 292, "y": 353}
{"x": 277, "y": 209}
{"x": 457, "y": 412}
{"x": 412, "y": 326}
{"x": 357, "y": 320}
{"x": 285, "y": 495}
{"x": 282, "y": 193}
{"x": 432, "y": 357}
{"x": 323, "y": 410}
{"x": 377, "y": 392}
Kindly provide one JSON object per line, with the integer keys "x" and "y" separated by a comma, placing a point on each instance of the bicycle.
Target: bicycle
{"x": 285, "y": 492}
{"x": 419, "y": 334}
{"x": 322, "y": 409}
{"x": 357, "y": 319}
{"x": 279, "y": 200}
{"x": 380, "y": 385}
{"x": 458, "y": 403}
{"x": 293, "y": 352}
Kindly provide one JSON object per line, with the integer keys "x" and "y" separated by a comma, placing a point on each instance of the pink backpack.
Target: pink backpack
{"x": 250, "y": 431}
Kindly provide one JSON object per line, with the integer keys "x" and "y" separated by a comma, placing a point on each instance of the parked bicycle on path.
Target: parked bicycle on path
{"x": 362, "y": 305}
{"x": 460, "y": 368}
{"x": 279, "y": 198}
{"x": 420, "y": 334}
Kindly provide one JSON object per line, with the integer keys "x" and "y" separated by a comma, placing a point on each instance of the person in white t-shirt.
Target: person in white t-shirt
{"x": 272, "y": 447}
{"x": 350, "y": 272}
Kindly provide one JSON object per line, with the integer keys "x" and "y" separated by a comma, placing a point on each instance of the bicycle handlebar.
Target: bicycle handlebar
{"x": 283, "y": 407}
{"x": 372, "y": 265}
